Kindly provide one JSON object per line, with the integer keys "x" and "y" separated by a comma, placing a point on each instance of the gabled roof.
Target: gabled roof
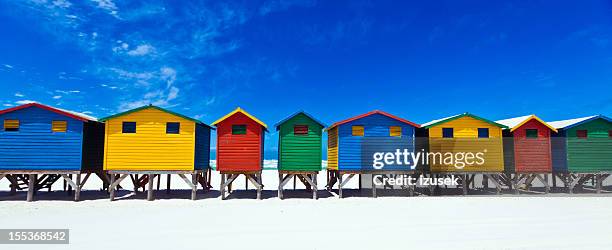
{"x": 239, "y": 110}
{"x": 277, "y": 125}
{"x": 455, "y": 117}
{"x": 516, "y": 122}
{"x": 153, "y": 107}
{"x": 71, "y": 114}
{"x": 565, "y": 124}
{"x": 380, "y": 112}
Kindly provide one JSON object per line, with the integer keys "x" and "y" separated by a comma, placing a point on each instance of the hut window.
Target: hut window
{"x": 173, "y": 128}
{"x": 59, "y": 126}
{"x": 581, "y": 134}
{"x": 447, "y": 133}
{"x": 238, "y": 129}
{"x": 129, "y": 127}
{"x": 358, "y": 130}
{"x": 11, "y": 125}
{"x": 531, "y": 133}
{"x": 483, "y": 133}
{"x": 300, "y": 130}
{"x": 395, "y": 131}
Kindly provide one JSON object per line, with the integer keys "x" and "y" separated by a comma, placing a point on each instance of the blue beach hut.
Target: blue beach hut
{"x": 37, "y": 139}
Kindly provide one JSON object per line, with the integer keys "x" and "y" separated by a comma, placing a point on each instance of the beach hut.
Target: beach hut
{"x": 355, "y": 144}
{"x": 299, "y": 150}
{"x": 151, "y": 141}
{"x": 40, "y": 144}
{"x": 582, "y": 150}
{"x": 240, "y": 142}
{"x": 527, "y": 150}
{"x": 467, "y": 145}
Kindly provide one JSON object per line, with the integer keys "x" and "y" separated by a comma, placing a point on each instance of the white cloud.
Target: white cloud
{"x": 107, "y": 5}
{"x": 87, "y": 112}
{"x": 141, "y": 50}
{"x": 8, "y": 66}
{"x": 67, "y": 92}
{"x": 173, "y": 94}
{"x": 19, "y": 94}
{"x": 108, "y": 86}
{"x": 62, "y": 4}
{"x": 7, "y": 105}
{"x": 57, "y": 97}
{"x": 21, "y": 102}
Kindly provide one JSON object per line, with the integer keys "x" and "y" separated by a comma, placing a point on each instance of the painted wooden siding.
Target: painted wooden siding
{"x": 239, "y": 152}
{"x": 356, "y": 152}
{"x": 466, "y": 140}
{"x": 558, "y": 143}
{"x": 150, "y": 148}
{"x": 300, "y": 152}
{"x": 591, "y": 154}
{"x": 532, "y": 154}
{"x": 332, "y": 148}
{"x": 202, "y": 147}
{"x": 36, "y": 147}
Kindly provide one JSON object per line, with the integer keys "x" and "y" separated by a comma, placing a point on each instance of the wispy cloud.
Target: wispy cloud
{"x": 19, "y": 94}
{"x": 67, "y": 92}
{"x": 141, "y": 50}
{"x": 21, "y": 102}
{"x": 8, "y": 66}
{"x": 170, "y": 59}
{"x": 107, "y": 5}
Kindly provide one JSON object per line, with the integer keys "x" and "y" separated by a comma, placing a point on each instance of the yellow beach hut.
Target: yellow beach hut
{"x": 152, "y": 141}
{"x": 465, "y": 144}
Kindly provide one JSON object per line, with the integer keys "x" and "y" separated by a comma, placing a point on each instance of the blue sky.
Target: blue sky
{"x": 334, "y": 59}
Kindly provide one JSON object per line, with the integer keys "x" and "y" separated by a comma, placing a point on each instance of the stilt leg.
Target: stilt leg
{"x": 77, "y": 190}
{"x": 222, "y": 187}
{"x": 464, "y": 184}
{"x": 260, "y": 186}
{"x": 373, "y": 186}
{"x": 31, "y": 182}
{"x": 169, "y": 177}
{"x": 294, "y": 181}
{"x": 340, "y": 185}
{"x": 111, "y": 187}
{"x": 280, "y": 187}
{"x": 315, "y": 189}
{"x": 150, "y": 188}
{"x": 194, "y": 188}
{"x": 598, "y": 180}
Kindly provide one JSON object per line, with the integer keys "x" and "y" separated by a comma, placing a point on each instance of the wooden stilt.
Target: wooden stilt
{"x": 150, "y": 188}
{"x": 280, "y": 187}
{"x": 315, "y": 189}
{"x": 464, "y": 184}
{"x": 373, "y": 186}
{"x": 111, "y": 187}
{"x": 168, "y": 178}
{"x": 194, "y": 188}
{"x": 294, "y": 181}
{"x": 31, "y": 183}
{"x": 77, "y": 189}
{"x": 259, "y": 188}
{"x": 222, "y": 188}
{"x": 340, "y": 185}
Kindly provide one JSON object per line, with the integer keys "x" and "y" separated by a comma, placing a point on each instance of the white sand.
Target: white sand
{"x": 174, "y": 222}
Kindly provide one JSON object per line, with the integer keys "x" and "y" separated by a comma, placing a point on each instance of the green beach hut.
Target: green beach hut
{"x": 299, "y": 150}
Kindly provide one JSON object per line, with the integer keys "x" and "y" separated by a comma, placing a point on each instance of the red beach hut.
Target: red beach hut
{"x": 527, "y": 145}
{"x": 240, "y": 140}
